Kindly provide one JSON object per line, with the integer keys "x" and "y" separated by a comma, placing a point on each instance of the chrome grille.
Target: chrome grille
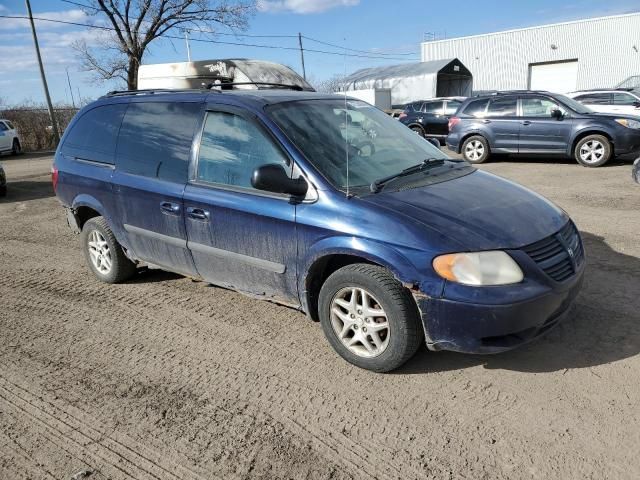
{"x": 559, "y": 255}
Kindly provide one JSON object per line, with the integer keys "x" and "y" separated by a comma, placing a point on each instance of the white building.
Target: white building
{"x": 562, "y": 57}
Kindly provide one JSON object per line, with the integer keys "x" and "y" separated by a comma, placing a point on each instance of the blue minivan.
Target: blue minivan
{"x": 322, "y": 203}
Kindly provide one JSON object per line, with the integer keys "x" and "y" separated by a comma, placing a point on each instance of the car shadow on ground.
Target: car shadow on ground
{"x": 603, "y": 328}
{"x": 24, "y": 190}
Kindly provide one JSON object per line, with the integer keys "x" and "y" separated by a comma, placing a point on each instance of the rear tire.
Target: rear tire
{"x": 103, "y": 253}
{"x": 475, "y": 149}
{"x": 593, "y": 151}
{"x": 361, "y": 301}
{"x": 17, "y": 148}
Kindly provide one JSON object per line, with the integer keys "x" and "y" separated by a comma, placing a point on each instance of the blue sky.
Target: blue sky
{"x": 370, "y": 25}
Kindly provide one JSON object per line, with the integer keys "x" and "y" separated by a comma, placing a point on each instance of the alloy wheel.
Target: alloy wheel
{"x": 474, "y": 150}
{"x": 99, "y": 252}
{"x": 360, "y": 322}
{"x": 592, "y": 151}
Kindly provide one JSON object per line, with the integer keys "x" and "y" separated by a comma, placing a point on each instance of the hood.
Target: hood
{"x": 613, "y": 116}
{"x": 479, "y": 211}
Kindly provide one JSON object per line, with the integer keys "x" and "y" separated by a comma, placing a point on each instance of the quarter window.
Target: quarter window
{"x": 155, "y": 139}
{"x": 502, "y": 107}
{"x": 538, "y": 107}
{"x": 476, "y": 108}
{"x": 94, "y": 135}
{"x": 452, "y": 107}
{"x": 232, "y": 147}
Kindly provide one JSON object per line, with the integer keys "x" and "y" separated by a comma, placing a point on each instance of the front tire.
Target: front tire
{"x": 593, "y": 151}
{"x": 475, "y": 149}
{"x": 418, "y": 129}
{"x": 369, "y": 318}
{"x": 16, "y": 148}
{"x": 103, "y": 253}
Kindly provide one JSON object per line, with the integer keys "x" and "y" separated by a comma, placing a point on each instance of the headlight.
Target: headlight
{"x": 629, "y": 123}
{"x": 478, "y": 269}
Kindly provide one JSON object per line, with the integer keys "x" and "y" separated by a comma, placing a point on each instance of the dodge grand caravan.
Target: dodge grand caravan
{"x": 322, "y": 203}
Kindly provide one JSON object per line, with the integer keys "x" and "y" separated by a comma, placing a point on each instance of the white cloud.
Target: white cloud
{"x": 77, "y": 16}
{"x": 303, "y": 6}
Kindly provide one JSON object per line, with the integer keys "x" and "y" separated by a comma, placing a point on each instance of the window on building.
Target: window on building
{"x": 155, "y": 139}
{"x": 476, "y": 108}
{"x": 624, "y": 99}
{"x": 538, "y": 107}
{"x": 503, "y": 107}
{"x": 595, "y": 99}
{"x": 94, "y": 135}
{"x": 232, "y": 147}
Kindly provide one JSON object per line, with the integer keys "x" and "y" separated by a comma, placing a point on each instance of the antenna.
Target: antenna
{"x": 346, "y": 114}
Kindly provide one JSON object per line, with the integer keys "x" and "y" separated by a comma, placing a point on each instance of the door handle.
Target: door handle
{"x": 486, "y": 120}
{"x": 526, "y": 122}
{"x": 170, "y": 208}
{"x": 198, "y": 213}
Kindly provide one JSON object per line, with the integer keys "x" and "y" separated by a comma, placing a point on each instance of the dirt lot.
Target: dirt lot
{"x": 166, "y": 378}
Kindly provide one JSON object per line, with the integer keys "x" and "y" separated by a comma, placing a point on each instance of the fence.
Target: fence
{"x": 34, "y": 125}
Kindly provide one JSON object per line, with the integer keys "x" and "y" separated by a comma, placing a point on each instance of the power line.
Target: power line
{"x": 355, "y": 50}
{"x": 219, "y": 42}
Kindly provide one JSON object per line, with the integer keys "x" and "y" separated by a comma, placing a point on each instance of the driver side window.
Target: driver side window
{"x": 232, "y": 147}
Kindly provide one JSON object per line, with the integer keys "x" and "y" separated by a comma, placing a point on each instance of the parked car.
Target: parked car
{"x": 3, "y": 183}
{"x": 536, "y": 122}
{"x": 625, "y": 101}
{"x": 9, "y": 138}
{"x": 431, "y": 117}
{"x": 388, "y": 246}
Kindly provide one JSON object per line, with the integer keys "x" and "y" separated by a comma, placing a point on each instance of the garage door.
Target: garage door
{"x": 560, "y": 77}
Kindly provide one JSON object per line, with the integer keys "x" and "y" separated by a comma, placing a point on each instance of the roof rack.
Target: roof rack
{"x": 150, "y": 91}
{"x": 230, "y": 85}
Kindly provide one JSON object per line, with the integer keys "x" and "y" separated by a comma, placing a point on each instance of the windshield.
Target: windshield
{"x": 574, "y": 104}
{"x": 327, "y": 133}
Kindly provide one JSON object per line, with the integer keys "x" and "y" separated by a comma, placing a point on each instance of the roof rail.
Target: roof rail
{"x": 230, "y": 85}
{"x": 151, "y": 91}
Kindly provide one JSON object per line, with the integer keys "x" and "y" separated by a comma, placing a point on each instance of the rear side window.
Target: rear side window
{"x": 476, "y": 108}
{"x": 595, "y": 99}
{"x": 433, "y": 107}
{"x": 232, "y": 147}
{"x": 93, "y": 136}
{"x": 452, "y": 107}
{"x": 155, "y": 139}
{"x": 624, "y": 99}
{"x": 503, "y": 107}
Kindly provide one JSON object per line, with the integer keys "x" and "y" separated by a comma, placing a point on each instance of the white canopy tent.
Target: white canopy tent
{"x": 415, "y": 81}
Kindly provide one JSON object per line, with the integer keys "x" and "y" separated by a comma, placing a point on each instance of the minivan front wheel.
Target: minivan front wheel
{"x": 593, "y": 151}
{"x": 103, "y": 253}
{"x": 369, "y": 318}
{"x": 475, "y": 149}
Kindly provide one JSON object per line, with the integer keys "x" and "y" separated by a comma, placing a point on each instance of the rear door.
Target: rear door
{"x": 240, "y": 237}
{"x": 151, "y": 172}
{"x": 433, "y": 119}
{"x": 539, "y": 131}
{"x": 502, "y": 121}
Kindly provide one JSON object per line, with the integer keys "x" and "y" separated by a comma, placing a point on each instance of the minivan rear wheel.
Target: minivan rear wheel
{"x": 593, "y": 151}
{"x": 103, "y": 253}
{"x": 475, "y": 149}
{"x": 369, "y": 318}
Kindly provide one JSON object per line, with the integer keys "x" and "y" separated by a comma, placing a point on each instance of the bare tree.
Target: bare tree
{"x": 331, "y": 84}
{"x": 135, "y": 24}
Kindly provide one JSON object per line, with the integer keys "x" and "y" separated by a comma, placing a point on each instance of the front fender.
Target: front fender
{"x": 589, "y": 129}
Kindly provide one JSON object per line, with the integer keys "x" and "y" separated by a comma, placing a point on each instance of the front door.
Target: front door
{"x": 240, "y": 237}
{"x": 540, "y": 132}
{"x": 503, "y": 123}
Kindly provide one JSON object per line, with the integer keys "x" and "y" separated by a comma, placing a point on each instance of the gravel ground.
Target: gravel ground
{"x": 166, "y": 378}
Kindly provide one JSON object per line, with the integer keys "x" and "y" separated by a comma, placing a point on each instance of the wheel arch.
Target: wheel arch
{"x": 585, "y": 133}
{"x": 472, "y": 134}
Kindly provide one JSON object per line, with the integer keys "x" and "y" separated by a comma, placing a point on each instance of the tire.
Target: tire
{"x": 593, "y": 151}
{"x": 3, "y": 191}
{"x": 396, "y": 343}
{"x": 475, "y": 149}
{"x": 418, "y": 129}
{"x": 97, "y": 232}
{"x": 16, "y": 148}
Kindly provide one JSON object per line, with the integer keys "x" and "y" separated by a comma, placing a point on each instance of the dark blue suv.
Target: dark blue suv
{"x": 532, "y": 122}
{"x": 321, "y": 203}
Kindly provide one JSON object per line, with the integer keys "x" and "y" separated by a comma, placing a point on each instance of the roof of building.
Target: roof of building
{"x": 404, "y": 70}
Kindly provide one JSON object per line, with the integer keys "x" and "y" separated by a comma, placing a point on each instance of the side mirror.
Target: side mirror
{"x": 557, "y": 114}
{"x": 273, "y": 178}
{"x": 636, "y": 104}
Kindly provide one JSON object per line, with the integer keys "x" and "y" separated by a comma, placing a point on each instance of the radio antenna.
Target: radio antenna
{"x": 346, "y": 113}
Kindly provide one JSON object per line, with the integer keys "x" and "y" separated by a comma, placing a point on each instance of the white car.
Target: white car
{"x": 9, "y": 138}
{"x": 624, "y": 101}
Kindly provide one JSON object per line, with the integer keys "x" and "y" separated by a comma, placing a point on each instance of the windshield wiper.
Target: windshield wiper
{"x": 377, "y": 185}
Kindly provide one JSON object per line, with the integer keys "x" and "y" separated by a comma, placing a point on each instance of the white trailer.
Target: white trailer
{"x": 378, "y": 97}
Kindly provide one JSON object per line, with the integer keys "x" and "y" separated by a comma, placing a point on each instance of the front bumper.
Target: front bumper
{"x": 627, "y": 143}
{"x": 480, "y": 328}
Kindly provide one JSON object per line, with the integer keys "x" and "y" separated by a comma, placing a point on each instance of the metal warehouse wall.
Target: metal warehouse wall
{"x": 607, "y": 50}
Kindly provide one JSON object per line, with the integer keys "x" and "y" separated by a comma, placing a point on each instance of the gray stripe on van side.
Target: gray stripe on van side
{"x": 252, "y": 261}
{"x": 176, "y": 242}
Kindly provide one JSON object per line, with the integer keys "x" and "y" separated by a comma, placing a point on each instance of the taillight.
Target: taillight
{"x": 401, "y": 116}
{"x": 54, "y": 177}
{"x": 453, "y": 121}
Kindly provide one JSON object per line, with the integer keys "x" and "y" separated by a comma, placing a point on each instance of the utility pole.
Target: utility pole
{"x": 304, "y": 73}
{"x": 54, "y": 124}
{"x": 73, "y": 102}
{"x": 186, "y": 39}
